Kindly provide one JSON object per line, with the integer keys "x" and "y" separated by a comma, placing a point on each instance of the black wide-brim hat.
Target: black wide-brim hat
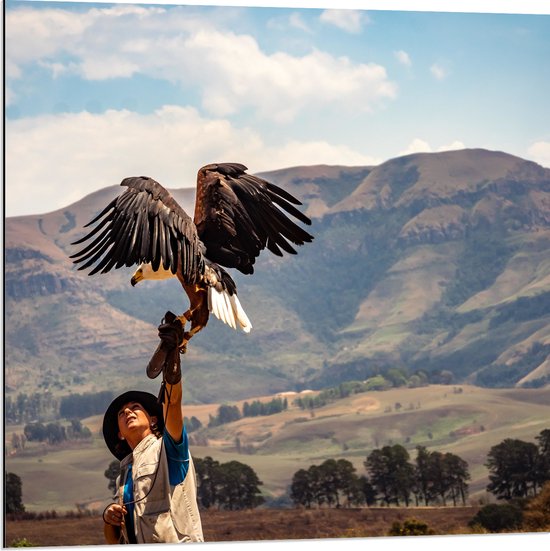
{"x": 120, "y": 448}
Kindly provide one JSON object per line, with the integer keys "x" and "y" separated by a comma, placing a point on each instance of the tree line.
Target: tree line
{"x": 231, "y": 486}
{"x": 435, "y": 477}
{"x": 228, "y": 413}
{"x": 517, "y": 470}
{"x": 44, "y": 406}
{"x": 334, "y": 483}
{"x": 30, "y": 407}
{"x": 52, "y": 433}
{"x": 392, "y": 378}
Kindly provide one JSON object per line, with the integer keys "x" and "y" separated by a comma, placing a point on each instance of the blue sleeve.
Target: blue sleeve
{"x": 178, "y": 457}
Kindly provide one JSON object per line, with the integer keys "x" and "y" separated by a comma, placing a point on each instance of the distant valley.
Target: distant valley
{"x": 463, "y": 420}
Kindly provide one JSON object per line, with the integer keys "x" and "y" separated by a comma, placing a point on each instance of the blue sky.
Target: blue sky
{"x": 98, "y": 92}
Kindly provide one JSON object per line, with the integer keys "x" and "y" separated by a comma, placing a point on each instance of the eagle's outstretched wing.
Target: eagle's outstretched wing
{"x": 142, "y": 225}
{"x": 237, "y": 215}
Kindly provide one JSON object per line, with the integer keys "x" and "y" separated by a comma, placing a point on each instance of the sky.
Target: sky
{"x": 96, "y": 92}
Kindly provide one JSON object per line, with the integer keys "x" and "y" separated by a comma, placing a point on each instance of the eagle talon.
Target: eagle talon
{"x": 183, "y": 345}
{"x": 185, "y": 317}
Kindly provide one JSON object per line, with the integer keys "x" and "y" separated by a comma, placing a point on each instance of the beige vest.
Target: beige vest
{"x": 162, "y": 514}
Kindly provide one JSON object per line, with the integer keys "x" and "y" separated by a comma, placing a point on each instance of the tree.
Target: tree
{"x": 192, "y": 424}
{"x": 367, "y": 490}
{"x": 377, "y": 465}
{"x": 231, "y": 485}
{"x": 13, "y": 493}
{"x": 35, "y": 432}
{"x": 207, "y": 481}
{"x": 111, "y": 473}
{"x": 77, "y": 431}
{"x": 391, "y": 474}
{"x": 404, "y": 474}
{"x": 315, "y": 479}
{"x": 55, "y": 433}
{"x": 543, "y": 464}
{"x": 347, "y": 482}
{"x": 238, "y": 486}
{"x": 329, "y": 482}
{"x": 301, "y": 490}
{"x": 456, "y": 473}
{"x": 513, "y": 466}
{"x": 422, "y": 475}
{"x": 226, "y": 414}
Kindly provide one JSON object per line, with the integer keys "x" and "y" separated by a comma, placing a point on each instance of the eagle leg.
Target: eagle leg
{"x": 197, "y": 314}
{"x": 187, "y": 335}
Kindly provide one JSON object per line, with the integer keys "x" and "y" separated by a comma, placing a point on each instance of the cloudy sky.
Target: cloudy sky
{"x": 98, "y": 92}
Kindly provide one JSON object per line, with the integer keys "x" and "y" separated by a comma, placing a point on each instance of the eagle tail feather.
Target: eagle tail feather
{"x": 240, "y": 314}
{"x": 228, "y": 309}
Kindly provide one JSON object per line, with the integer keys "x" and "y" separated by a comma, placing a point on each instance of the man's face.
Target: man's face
{"x": 132, "y": 419}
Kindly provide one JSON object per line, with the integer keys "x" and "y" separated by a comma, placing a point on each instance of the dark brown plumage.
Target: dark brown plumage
{"x": 237, "y": 215}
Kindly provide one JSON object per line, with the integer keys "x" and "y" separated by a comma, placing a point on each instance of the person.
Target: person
{"x": 156, "y": 498}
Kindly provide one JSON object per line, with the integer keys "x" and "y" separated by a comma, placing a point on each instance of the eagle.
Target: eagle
{"x": 237, "y": 215}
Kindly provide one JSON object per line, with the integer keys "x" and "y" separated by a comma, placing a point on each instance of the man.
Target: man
{"x": 156, "y": 490}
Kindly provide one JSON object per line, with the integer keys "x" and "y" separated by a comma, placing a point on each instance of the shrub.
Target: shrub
{"x": 505, "y": 517}
{"x": 410, "y": 527}
{"x": 536, "y": 516}
{"x": 21, "y": 542}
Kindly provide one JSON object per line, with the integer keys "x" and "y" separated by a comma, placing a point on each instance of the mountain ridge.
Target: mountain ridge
{"x": 413, "y": 265}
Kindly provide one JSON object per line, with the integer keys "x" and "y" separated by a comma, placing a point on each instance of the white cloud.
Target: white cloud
{"x": 456, "y": 144}
{"x": 239, "y": 74}
{"x": 351, "y": 21}
{"x": 94, "y": 151}
{"x": 295, "y": 153}
{"x": 439, "y": 72}
{"x": 540, "y": 153}
{"x": 403, "y": 58}
{"x": 419, "y": 145}
{"x": 296, "y": 21}
{"x": 230, "y": 70}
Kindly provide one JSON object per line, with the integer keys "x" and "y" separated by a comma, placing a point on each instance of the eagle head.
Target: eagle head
{"x": 145, "y": 271}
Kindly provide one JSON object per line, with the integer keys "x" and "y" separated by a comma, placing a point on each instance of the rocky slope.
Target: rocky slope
{"x": 427, "y": 262}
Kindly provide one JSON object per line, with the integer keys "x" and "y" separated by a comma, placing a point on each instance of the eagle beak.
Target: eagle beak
{"x": 137, "y": 277}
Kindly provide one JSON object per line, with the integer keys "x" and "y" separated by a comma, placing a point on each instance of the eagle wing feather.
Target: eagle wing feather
{"x": 238, "y": 215}
{"x": 143, "y": 224}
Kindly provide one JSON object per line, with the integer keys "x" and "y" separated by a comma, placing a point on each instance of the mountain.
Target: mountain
{"x": 429, "y": 262}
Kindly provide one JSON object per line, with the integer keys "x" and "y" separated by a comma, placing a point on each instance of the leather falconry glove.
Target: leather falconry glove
{"x": 166, "y": 357}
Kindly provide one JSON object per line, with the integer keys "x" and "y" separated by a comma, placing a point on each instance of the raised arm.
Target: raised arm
{"x": 167, "y": 360}
{"x": 172, "y": 411}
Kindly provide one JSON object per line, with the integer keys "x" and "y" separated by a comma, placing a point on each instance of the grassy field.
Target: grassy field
{"x": 258, "y": 524}
{"x": 464, "y": 420}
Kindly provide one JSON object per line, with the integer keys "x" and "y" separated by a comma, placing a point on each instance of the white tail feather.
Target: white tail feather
{"x": 240, "y": 314}
{"x": 229, "y": 312}
{"x": 228, "y": 309}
